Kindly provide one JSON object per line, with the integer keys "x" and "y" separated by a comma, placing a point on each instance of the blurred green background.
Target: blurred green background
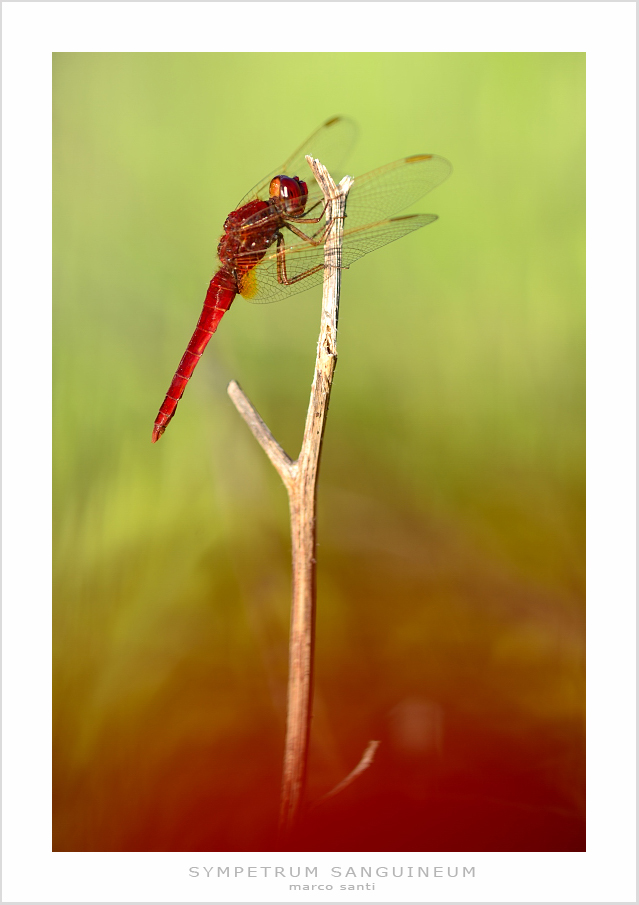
{"x": 451, "y": 516}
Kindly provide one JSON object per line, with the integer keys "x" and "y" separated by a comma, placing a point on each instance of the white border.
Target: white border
{"x": 31, "y": 31}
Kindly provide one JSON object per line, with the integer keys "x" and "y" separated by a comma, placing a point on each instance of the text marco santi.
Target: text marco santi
{"x": 347, "y": 873}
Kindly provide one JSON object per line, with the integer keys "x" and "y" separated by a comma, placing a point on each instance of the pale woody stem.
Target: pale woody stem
{"x": 300, "y": 479}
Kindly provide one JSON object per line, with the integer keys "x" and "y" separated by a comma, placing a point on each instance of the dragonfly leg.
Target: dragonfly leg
{"x": 313, "y": 219}
{"x": 316, "y": 239}
{"x": 282, "y": 276}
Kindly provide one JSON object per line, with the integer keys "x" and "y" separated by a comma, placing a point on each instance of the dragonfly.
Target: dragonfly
{"x": 273, "y": 242}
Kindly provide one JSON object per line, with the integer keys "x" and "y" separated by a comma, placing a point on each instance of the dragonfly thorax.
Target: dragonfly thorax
{"x": 249, "y": 232}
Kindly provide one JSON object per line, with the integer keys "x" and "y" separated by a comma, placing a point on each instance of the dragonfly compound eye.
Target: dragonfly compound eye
{"x": 291, "y": 192}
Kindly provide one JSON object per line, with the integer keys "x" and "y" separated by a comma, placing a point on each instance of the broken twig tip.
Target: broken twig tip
{"x": 365, "y": 762}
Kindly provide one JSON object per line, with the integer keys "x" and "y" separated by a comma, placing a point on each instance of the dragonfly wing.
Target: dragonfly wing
{"x": 262, "y": 285}
{"x": 331, "y": 144}
{"x": 378, "y": 195}
{"x": 392, "y": 188}
{"x": 304, "y": 261}
{"x": 361, "y": 241}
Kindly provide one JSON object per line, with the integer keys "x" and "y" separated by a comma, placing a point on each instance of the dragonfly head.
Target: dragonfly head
{"x": 290, "y": 193}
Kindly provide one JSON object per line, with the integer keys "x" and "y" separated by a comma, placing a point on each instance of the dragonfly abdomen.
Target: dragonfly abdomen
{"x": 221, "y": 292}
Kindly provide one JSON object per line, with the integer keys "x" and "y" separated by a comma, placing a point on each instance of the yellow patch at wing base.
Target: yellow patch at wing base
{"x": 248, "y": 284}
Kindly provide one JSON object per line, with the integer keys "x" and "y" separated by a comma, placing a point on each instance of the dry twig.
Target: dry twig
{"x": 300, "y": 479}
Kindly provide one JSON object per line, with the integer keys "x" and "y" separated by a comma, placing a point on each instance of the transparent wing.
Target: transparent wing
{"x": 383, "y": 192}
{"x": 373, "y": 198}
{"x": 262, "y": 284}
{"x": 392, "y": 188}
{"x": 331, "y": 144}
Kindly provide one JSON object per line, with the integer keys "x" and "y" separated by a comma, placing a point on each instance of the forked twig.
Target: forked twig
{"x": 300, "y": 479}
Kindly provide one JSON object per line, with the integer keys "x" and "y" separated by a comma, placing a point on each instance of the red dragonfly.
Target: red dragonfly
{"x": 284, "y": 202}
